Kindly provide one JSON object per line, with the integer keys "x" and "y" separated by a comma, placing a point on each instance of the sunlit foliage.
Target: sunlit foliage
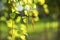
{"x": 25, "y": 9}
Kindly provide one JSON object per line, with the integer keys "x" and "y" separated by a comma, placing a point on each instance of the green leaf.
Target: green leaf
{"x": 12, "y": 15}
